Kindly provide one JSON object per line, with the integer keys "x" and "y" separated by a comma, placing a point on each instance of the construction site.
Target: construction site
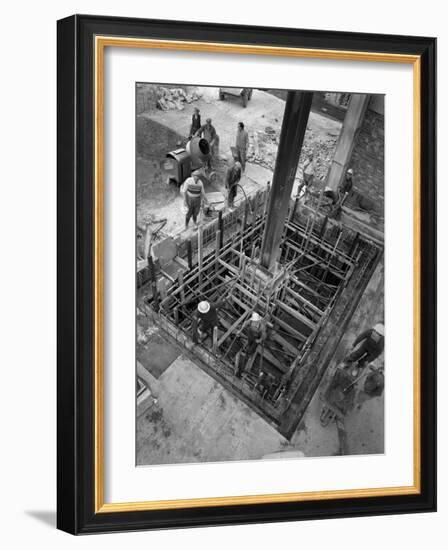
{"x": 295, "y": 251}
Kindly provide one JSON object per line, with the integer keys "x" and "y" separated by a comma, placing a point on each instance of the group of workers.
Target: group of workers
{"x": 367, "y": 347}
{"x": 194, "y": 193}
{"x": 207, "y": 318}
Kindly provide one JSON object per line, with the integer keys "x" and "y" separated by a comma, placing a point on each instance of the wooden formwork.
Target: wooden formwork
{"x": 319, "y": 261}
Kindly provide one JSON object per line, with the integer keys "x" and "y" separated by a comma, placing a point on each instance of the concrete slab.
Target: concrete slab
{"x": 196, "y": 420}
{"x": 157, "y": 355}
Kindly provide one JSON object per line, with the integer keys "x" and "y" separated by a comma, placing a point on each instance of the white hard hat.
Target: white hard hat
{"x": 203, "y": 307}
{"x": 350, "y": 171}
{"x": 379, "y": 327}
{"x": 255, "y": 317}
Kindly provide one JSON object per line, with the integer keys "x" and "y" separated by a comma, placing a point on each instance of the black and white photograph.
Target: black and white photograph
{"x": 259, "y": 273}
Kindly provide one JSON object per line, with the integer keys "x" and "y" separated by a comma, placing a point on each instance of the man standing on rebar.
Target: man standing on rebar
{"x": 206, "y": 319}
{"x": 195, "y": 122}
{"x": 241, "y": 144}
{"x": 255, "y": 332}
{"x": 368, "y": 346}
{"x": 232, "y": 179}
{"x": 194, "y": 196}
{"x": 207, "y": 131}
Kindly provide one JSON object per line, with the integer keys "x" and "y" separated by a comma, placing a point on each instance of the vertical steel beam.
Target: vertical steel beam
{"x": 295, "y": 118}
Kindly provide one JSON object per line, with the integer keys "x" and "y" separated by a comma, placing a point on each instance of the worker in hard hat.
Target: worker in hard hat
{"x": 232, "y": 179}
{"x": 206, "y": 319}
{"x": 368, "y": 346}
{"x": 347, "y": 184}
{"x": 255, "y": 330}
{"x": 194, "y": 197}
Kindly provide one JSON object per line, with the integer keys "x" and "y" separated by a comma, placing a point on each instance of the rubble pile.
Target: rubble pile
{"x": 263, "y": 149}
{"x": 175, "y": 98}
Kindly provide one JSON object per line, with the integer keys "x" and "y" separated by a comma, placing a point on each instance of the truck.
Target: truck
{"x": 244, "y": 93}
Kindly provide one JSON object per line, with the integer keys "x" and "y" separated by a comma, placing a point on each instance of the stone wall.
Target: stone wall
{"x": 146, "y": 97}
{"x": 367, "y": 158}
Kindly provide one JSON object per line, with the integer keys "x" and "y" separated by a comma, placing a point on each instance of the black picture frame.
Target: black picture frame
{"x": 76, "y": 262}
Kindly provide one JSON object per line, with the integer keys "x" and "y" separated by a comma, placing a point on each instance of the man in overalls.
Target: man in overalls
{"x": 194, "y": 195}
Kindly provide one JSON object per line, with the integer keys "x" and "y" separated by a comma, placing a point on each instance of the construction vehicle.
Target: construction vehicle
{"x": 244, "y": 93}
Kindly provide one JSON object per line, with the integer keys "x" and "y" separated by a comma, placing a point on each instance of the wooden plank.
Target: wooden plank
{"x": 282, "y": 341}
{"x": 302, "y": 302}
{"x": 200, "y": 250}
{"x": 293, "y": 332}
{"x": 181, "y": 286}
{"x": 232, "y": 328}
{"x": 290, "y": 311}
{"x": 215, "y": 339}
{"x": 268, "y": 355}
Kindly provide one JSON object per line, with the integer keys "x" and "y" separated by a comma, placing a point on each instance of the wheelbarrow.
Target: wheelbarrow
{"x": 338, "y": 398}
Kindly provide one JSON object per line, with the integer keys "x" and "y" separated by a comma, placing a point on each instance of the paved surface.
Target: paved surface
{"x": 196, "y": 420}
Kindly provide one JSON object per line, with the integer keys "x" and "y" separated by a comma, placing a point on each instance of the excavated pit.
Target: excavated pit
{"x": 321, "y": 273}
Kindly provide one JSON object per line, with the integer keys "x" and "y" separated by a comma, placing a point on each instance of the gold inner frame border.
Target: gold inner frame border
{"x": 100, "y": 43}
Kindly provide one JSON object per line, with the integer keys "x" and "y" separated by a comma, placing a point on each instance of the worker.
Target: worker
{"x": 206, "y": 319}
{"x": 195, "y": 122}
{"x": 368, "y": 346}
{"x": 194, "y": 197}
{"x": 232, "y": 178}
{"x": 332, "y": 195}
{"x": 207, "y": 131}
{"x": 241, "y": 144}
{"x": 255, "y": 332}
{"x": 347, "y": 184}
{"x": 308, "y": 170}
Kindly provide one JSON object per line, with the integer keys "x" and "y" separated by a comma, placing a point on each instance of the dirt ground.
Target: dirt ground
{"x": 159, "y": 132}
